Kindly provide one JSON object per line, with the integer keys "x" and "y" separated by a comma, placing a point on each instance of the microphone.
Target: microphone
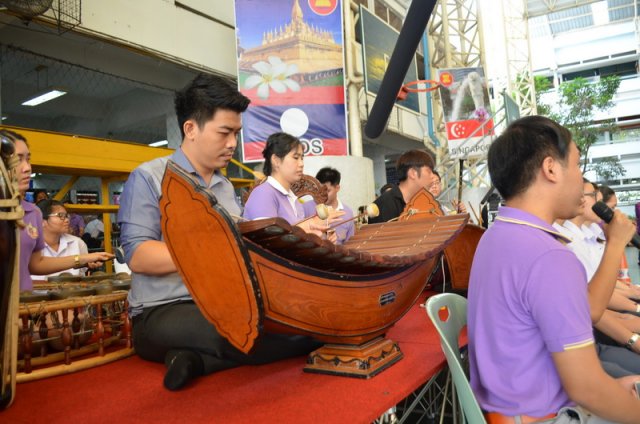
{"x": 410, "y": 35}
{"x": 605, "y": 213}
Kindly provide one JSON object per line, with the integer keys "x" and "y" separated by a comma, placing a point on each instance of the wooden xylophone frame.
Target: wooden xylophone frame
{"x": 11, "y": 214}
{"x": 119, "y": 344}
{"x": 265, "y": 275}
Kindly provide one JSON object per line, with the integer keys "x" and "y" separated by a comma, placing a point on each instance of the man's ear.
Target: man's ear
{"x": 412, "y": 174}
{"x": 550, "y": 169}
{"x": 190, "y": 127}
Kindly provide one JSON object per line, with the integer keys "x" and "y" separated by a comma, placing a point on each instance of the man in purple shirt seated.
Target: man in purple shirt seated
{"x": 531, "y": 345}
{"x": 330, "y": 177}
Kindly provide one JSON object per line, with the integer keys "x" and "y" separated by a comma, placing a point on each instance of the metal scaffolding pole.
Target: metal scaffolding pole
{"x": 455, "y": 41}
{"x": 520, "y": 83}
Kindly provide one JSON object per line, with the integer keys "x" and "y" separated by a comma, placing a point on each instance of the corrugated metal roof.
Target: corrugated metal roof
{"x": 570, "y": 19}
{"x": 539, "y": 26}
{"x": 543, "y": 7}
{"x": 556, "y": 16}
{"x": 620, "y": 10}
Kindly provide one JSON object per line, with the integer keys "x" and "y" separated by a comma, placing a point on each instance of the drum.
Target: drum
{"x": 73, "y": 330}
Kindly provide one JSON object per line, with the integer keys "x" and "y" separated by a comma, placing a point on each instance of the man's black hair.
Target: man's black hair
{"x": 328, "y": 175}
{"x": 413, "y": 159}
{"x": 517, "y": 154}
{"x": 203, "y": 96}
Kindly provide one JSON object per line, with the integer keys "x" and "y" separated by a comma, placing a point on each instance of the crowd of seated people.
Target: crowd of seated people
{"x": 532, "y": 305}
{"x": 613, "y": 329}
{"x": 532, "y": 301}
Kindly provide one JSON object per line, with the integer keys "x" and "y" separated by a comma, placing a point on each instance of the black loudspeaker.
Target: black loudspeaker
{"x": 414, "y": 26}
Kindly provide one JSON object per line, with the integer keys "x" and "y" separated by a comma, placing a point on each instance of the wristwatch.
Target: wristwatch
{"x": 76, "y": 259}
{"x": 632, "y": 340}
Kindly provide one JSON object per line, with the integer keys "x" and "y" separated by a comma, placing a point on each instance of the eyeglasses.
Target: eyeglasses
{"x": 594, "y": 194}
{"x": 63, "y": 216}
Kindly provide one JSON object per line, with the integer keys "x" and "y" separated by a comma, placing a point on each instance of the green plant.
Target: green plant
{"x": 577, "y": 103}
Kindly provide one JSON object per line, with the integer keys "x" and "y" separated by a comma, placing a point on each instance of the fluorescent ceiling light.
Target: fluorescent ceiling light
{"x": 50, "y": 94}
{"x": 159, "y": 143}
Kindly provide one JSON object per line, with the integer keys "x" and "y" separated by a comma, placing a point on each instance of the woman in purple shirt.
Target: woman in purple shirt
{"x": 31, "y": 237}
{"x": 283, "y": 166}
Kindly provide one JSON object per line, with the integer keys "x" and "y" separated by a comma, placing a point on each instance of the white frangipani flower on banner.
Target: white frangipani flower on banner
{"x": 273, "y": 75}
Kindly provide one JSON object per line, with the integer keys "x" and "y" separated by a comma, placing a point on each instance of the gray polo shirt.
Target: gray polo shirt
{"x": 139, "y": 219}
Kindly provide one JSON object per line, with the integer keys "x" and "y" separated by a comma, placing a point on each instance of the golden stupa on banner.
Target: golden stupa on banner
{"x": 312, "y": 49}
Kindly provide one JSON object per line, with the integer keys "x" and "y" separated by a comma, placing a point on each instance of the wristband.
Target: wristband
{"x": 632, "y": 340}
{"x": 76, "y": 259}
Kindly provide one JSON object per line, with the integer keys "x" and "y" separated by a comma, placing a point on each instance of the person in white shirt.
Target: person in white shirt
{"x": 589, "y": 247}
{"x": 616, "y": 330}
{"x": 58, "y": 243}
{"x": 94, "y": 227}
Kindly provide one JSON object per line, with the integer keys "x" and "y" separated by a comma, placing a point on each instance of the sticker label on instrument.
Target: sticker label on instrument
{"x": 387, "y": 298}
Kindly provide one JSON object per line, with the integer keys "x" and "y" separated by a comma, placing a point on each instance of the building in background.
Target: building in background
{"x": 593, "y": 40}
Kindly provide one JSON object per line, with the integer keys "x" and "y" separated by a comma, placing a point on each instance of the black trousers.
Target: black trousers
{"x": 181, "y": 326}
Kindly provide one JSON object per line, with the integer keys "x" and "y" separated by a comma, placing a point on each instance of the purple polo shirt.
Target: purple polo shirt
{"x": 527, "y": 298}
{"x": 344, "y": 231}
{"x": 76, "y": 223}
{"x": 31, "y": 240}
{"x": 267, "y": 201}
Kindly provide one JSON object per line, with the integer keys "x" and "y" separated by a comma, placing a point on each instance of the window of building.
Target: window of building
{"x": 626, "y": 134}
{"x": 421, "y": 68}
{"x": 619, "y": 69}
{"x": 381, "y": 10}
{"x": 586, "y": 73}
{"x": 395, "y": 20}
{"x": 570, "y": 19}
{"x": 620, "y": 10}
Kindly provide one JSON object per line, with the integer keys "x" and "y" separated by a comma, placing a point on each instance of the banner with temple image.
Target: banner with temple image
{"x": 290, "y": 64}
{"x": 467, "y": 111}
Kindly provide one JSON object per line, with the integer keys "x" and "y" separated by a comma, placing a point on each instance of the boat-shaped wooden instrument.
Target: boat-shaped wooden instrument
{"x": 266, "y": 275}
{"x": 458, "y": 255}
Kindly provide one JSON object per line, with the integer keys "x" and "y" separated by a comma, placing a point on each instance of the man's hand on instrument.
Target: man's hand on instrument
{"x": 459, "y": 206}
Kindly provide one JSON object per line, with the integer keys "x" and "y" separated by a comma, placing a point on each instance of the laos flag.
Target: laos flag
{"x": 290, "y": 64}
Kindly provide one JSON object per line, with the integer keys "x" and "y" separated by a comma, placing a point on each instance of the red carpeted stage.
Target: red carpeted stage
{"x": 131, "y": 390}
